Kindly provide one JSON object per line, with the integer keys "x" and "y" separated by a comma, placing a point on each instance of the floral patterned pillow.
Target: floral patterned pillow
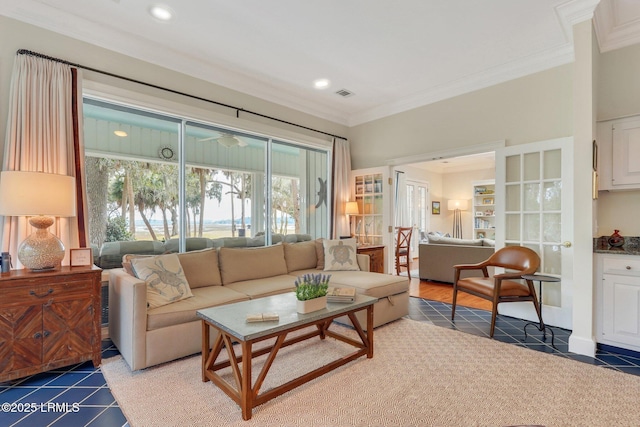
{"x": 340, "y": 255}
{"x": 165, "y": 279}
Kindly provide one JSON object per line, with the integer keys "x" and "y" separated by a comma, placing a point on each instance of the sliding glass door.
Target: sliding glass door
{"x": 158, "y": 177}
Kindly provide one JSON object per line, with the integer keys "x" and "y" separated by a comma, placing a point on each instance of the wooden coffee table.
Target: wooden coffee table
{"x": 230, "y": 321}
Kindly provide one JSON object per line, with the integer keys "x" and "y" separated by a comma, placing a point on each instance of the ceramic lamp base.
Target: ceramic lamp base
{"x": 41, "y": 250}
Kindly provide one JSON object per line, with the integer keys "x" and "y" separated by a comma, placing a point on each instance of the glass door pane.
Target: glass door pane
{"x": 225, "y": 182}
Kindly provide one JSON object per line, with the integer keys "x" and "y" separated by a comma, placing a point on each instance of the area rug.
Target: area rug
{"x": 420, "y": 375}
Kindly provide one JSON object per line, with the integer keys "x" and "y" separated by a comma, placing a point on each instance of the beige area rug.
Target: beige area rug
{"x": 420, "y": 375}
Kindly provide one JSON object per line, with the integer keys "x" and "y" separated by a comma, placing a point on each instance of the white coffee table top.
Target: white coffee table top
{"x": 232, "y": 318}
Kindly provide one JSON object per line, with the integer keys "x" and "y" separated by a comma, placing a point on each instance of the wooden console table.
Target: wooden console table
{"x": 48, "y": 320}
{"x": 376, "y": 255}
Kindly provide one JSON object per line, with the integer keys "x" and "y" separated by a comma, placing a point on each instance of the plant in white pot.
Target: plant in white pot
{"x": 311, "y": 292}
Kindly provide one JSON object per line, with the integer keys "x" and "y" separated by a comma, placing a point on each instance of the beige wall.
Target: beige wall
{"x": 618, "y": 96}
{"x": 460, "y": 186}
{"x": 533, "y": 108}
{"x": 17, "y": 35}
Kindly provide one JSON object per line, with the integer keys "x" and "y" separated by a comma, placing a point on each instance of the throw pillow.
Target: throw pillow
{"x": 165, "y": 279}
{"x": 340, "y": 255}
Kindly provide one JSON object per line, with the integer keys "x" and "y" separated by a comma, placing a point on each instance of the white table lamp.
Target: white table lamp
{"x": 40, "y": 196}
{"x": 350, "y": 209}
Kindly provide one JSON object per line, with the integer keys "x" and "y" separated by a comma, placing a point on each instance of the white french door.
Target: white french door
{"x": 417, "y": 203}
{"x": 534, "y": 186}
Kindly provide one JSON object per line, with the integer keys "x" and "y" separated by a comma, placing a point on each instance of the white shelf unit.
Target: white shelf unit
{"x": 484, "y": 216}
{"x": 368, "y": 193}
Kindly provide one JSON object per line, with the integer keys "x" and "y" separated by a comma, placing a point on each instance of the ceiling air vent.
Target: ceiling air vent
{"x": 344, "y": 93}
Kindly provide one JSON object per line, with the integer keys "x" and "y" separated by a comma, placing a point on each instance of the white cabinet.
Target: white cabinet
{"x": 484, "y": 215}
{"x": 618, "y": 301}
{"x": 371, "y": 189}
{"x": 619, "y": 154}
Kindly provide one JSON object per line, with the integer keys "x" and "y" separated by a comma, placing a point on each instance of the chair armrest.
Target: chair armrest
{"x": 478, "y": 266}
{"x": 507, "y": 276}
{"x": 128, "y": 316}
{"x": 364, "y": 262}
{"x": 459, "y": 267}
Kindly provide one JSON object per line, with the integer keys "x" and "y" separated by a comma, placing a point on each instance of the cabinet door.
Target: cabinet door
{"x": 20, "y": 337}
{"x": 626, "y": 153}
{"x": 621, "y": 308}
{"x": 68, "y": 329}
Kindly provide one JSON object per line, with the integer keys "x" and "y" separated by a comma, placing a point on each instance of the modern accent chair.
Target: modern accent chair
{"x": 517, "y": 261}
{"x": 403, "y": 245}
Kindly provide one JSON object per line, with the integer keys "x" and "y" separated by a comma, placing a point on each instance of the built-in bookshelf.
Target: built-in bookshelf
{"x": 484, "y": 214}
{"x": 368, "y": 225}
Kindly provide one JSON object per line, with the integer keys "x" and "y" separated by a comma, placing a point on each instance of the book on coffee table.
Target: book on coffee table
{"x": 263, "y": 317}
{"x": 341, "y": 294}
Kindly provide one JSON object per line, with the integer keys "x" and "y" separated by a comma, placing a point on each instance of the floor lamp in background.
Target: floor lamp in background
{"x": 457, "y": 206}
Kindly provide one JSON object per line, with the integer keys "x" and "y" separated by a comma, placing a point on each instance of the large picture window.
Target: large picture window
{"x": 159, "y": 178}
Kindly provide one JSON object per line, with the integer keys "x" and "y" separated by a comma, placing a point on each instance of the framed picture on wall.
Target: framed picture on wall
{"x": 435, "y": 208}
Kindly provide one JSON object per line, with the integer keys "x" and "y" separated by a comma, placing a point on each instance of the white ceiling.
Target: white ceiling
{"x": 393, "y": 56}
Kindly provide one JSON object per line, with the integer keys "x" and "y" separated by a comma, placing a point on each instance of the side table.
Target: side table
{"x": 541, "y": 326}
{"x": 49, "y": 319}
{"x": 376, "y": 254}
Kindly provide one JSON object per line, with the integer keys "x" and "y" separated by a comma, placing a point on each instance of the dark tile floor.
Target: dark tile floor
{"x": 79, "y": 396}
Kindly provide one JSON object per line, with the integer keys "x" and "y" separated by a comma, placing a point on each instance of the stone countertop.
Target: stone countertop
{"x": 631, "y": 246}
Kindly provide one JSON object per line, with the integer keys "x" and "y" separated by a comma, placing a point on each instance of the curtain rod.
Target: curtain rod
{"x": 238, "y": 109}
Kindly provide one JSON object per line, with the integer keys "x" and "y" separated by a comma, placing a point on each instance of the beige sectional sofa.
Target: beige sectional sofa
{"x": 440, "y": 254}
{"x": 217, "y": 276}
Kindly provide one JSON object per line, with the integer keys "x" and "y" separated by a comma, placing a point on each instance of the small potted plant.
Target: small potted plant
{"x": 311, "y": 292}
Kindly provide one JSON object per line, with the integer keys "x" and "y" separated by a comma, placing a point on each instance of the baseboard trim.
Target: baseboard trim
{"x": 581, "y": 345}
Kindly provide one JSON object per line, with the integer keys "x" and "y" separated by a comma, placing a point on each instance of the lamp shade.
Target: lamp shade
{"x": 351, "y": 208}
{"x": 37, "y": 193}
{"x": 452, "y": 205}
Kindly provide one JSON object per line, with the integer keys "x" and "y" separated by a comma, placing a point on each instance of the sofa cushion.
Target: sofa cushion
{"x": 201, "y": 267}
{"x": 251, "y": 263}
{"x": 300, "y": 256}
{"x": 185, "y": 311}
{"x": 340, "y": 255}
{"x": 165, "y": 279}
{"x": 265, "y": 287}
{"x": 438, "y": 240}
{"x": 320, "y": 253}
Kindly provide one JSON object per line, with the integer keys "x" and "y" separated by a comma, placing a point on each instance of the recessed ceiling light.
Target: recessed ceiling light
{"x": 321, "y": 83}
{"x": 120, "y": 133}
{"x": 161, "y": 12}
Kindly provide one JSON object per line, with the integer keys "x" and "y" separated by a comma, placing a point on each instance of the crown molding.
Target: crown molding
{"x": 612, "y": 34}
{"x": 500, "y": 74}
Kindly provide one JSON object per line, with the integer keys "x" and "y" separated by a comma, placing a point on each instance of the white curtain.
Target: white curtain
{"x": 401, "y": 209}
{"x": 40, "y": 138}
{"x": 341, "y": 187}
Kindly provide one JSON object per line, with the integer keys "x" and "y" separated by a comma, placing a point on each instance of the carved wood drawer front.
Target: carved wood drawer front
{"x": 42, "y": 292}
